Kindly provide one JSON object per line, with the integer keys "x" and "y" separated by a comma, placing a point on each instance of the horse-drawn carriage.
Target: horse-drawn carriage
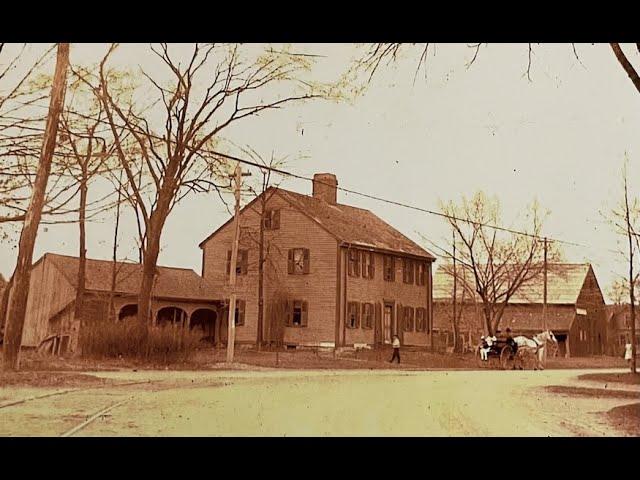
{"x": 519, "y": 352}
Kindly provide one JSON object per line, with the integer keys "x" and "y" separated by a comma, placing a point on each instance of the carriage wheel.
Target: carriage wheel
{"x": 506, "y": 358}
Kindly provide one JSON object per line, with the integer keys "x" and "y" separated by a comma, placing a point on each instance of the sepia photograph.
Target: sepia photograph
{"x": 319, "y": 239}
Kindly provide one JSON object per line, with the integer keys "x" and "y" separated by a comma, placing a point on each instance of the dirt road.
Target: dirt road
{"x": 322, "y": 403}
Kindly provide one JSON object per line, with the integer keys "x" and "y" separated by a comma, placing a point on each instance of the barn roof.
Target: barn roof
{"x": 179, "y": 283}
{"x": 564, "y": 283}
{"x": 352, "y": 225}
{"x": 521, "y": 319}
{"x": 526, "y": 320}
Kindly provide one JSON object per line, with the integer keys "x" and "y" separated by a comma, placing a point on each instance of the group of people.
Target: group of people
{"x": 486, "y": 342}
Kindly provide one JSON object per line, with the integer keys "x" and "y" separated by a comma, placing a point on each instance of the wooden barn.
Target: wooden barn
{"x": 334, "y": 275}
{"x": 180, "y": 295}
{"x": 575, "y": 310}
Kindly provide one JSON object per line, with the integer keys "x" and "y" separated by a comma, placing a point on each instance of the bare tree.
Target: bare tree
{"x": 383, "y": 54}
{"x": 618, "y": 291}
{"x": 16, "y": 308}
{"x": 626, "y": 219}
{"x": 179, "y": 157}
{"x": 264, "y": 191}
{"x": 498, "y": 262}
{"x": 84, "y": 151}
{"x": 22, "y": 126}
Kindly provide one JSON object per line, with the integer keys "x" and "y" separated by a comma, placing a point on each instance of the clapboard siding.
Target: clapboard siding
{"x": 318, "y": 287}
{"x": 49, "y": 293}
{"x": 377, "y": 290}
{"x": 593, "y": 323}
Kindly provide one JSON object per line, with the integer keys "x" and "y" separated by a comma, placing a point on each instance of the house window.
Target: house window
{"x": 389, "y": 268}
{"x": 353, "y": 315}
{"x": 408, "y": 319}
{"x": 240, "y": 306}
{"x": 421, "y": 269}
{"x": 367, "y": 265}
{"x": 407, "y": 270}
{"x": 299, "y": 260}
{"x": 421, "y": 324}
{"x": 354, "y": 263}
{"x": 298, "y": 314}
{"x": 242, "y": 262}
{"x": 367, "y": 315}
{"x": 272, "y": 219}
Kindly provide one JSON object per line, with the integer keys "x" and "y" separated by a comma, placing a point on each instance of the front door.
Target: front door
{"x": 387, "y": 320}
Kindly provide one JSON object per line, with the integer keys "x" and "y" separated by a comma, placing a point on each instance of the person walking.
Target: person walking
{"x": 396, "y": 349}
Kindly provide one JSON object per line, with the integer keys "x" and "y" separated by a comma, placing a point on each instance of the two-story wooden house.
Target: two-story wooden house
{"x": 334, "y": 275}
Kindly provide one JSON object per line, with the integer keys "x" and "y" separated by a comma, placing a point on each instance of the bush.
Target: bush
{"x": 166, "y": 344}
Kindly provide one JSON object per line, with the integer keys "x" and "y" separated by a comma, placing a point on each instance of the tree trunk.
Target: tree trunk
{"x": 259, "y": 335}
{"x": 114, "y": 265}
{"x": 152, "y": 251}
{"x": 4, "y": 303}
{"x": 632, "y": 299}
{"x": 82, "y": 263}
{"x": 149, "y": 262}
{"x": 18, "y": 303}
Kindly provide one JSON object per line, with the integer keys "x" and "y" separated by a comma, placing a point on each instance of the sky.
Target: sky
{"x": 559, "y": 138}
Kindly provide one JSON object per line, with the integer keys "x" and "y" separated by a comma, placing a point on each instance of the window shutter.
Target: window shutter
{"x": 357, "y": 307}
{"x": 357, "y": 264}
{"x": 372, "y": 268}
{"x": 240, "y": 304}
{"x": 393, "y": 268}
{"x": 275, "y": 220}
{"x": 377, "y": 334}
{"x": 307, "y": 260}
{"x": 305, "y": 314}
{"x": 290, "y": 263}
{"x": 288, "y": 306}
{"x": 400, "y": 323}
{"x": 363, "y": 308}
{"x": 244, "y": 265}
{"x": 228, "y": 262}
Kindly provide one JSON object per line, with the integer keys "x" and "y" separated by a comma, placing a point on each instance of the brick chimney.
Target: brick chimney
{"x": 325, "y": 187}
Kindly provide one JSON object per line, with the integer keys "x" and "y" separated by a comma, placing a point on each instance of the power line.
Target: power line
{"x": 374, "y": 197}
{"x": 394, "y": 202}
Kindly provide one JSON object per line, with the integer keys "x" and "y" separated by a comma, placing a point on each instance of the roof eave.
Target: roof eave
{"x": 426, "y": 256}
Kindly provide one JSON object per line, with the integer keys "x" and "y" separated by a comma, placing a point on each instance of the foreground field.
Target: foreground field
{"x": 278, "y": 402}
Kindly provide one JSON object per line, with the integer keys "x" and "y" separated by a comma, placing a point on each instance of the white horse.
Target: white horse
{"x": 537, "y": 345}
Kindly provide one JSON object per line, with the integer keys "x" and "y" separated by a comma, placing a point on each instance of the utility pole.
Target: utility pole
{"x": 455, "y": 296}
{"x": 544, "y": 300}
{"x": 231, "y": 328}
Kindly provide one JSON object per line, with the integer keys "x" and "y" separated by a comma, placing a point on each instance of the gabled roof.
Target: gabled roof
{"x": 351, "y": 225}
{"x": 178, "y": 283}
{"x": 564, "y": 283}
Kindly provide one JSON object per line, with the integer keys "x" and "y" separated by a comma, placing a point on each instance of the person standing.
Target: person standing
{"x": 396, "y": 349}
{"x": 628, "y": 352}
